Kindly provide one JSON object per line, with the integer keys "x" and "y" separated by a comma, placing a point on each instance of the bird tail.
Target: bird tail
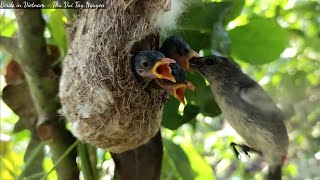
{"x": 274, "y": 172}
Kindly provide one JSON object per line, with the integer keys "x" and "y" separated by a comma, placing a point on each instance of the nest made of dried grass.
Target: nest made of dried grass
{"x": 99, "y": 94}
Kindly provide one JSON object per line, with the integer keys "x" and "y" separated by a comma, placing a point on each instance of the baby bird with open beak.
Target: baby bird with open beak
{"x": 152, "y": 65}
{"x": 178, "y": 49}
{"x": 178, "y": 88}
{"x": 168, "y": 75}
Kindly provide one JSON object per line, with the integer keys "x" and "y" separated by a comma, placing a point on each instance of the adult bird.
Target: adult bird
{"x": 178, "y": 49}
{"x": 248, "y": 109}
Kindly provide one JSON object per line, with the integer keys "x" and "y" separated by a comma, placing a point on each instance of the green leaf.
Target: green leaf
{"x": 20, "y": 136}
{"x": 190, "y": 111}
{"x": 179, "y": 159}
{"x": 197, "y": 23}
{"x": 195, "y": 38}
{"x": 168, "y": 170}
{"x": 208, "y": 106}
{"x": 259, "y": 42}
{"x": 170, "y": 118}
{"x": 198, "y": 81}
{"x": 202, "y": 16}
{"x": 56, "y": 27}
{"x": 233, "y": 10}
{"x": 8, "y": 26}
{"x": 198, "y": 164}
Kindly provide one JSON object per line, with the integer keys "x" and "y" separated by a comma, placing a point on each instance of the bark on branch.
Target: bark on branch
{"x": 43, "y": 85}
{"x": 9, "y": 44}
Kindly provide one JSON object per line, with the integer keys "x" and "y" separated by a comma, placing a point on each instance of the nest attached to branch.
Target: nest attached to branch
{"x": 99, "y": 94}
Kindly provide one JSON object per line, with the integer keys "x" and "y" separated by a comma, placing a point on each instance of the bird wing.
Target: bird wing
{"x": 265, "y": 110}
{"x": 253, "y": 94}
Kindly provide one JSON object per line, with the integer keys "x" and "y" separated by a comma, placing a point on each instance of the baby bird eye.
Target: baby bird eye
{"x": 185, "y": 50}
{"x": 210, "y": 62}
{"x": 145, "y": 64}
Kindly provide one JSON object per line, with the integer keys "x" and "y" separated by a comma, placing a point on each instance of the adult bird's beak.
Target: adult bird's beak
{"x": 196, "y": 62}
{"x": 184, "y": 62}
{"x": 162, "y": 70}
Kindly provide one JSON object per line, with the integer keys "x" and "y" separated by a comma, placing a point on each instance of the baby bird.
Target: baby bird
{"x": 178, "y": 88}
{"x": 152, "y": 65}
{"x": 178, "y": 49}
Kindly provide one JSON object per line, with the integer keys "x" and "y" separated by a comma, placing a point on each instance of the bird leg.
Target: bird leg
{"x": 246, "y": 149}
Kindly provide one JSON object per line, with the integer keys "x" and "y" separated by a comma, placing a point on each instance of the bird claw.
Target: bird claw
{"x": 236, "y": 152}
{"x": 245, "y": 149}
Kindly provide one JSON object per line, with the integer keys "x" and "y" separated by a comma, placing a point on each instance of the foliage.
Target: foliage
{"x": 277, "y": 43}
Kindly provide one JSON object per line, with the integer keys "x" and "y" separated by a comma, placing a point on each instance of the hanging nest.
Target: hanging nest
{"x": 99, "y": 94}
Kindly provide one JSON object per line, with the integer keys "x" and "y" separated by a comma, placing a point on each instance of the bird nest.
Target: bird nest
{"x": 99, "y": 94}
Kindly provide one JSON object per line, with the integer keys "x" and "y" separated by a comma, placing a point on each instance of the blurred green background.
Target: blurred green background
{"x": 276, "y": 42}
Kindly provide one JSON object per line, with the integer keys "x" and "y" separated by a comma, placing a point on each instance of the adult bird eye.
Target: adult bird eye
{"x": 210, "y": 62}
{"x": 145, "y": 64}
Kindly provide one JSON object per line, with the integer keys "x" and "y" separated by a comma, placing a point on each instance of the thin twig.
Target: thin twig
{"x": 61, "y": 158}
{"x": 30, "y": 160}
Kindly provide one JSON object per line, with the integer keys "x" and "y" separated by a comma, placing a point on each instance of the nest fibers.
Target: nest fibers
{"x": 99, "y": 94}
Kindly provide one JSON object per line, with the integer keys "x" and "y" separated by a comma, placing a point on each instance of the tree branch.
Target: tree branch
{"x": 43, "y": 85}
{"x": 10, "y": 45}
{"x": 142, "y": 163}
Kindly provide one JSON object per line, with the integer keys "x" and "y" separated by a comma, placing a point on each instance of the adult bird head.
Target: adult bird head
{"x": 215, "y": 67}
{"x": 176, "y": 48}
{"x": 152, "y": 65}
{"x": 176, "y": 89}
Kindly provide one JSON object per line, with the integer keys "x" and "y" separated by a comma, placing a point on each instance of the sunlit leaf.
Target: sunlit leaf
{"x": 20, "y": 136}
{"x": 48, "y": 165}
{"x": 179, "y": 158}
{"x": 168, "y": 170}
{"x": 56, "y": 27}
{"x": 201, "y": 168}
{"x": 260, "y": 41}
{"x": 7, "y": 167}
{"x": 8, "y": 25}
